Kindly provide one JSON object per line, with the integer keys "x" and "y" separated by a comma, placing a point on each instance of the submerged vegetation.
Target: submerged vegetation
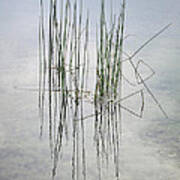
{"x": 64, "y": 74}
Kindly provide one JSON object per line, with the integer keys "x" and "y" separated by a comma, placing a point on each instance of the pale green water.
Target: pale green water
{"x": 150, "y": 147}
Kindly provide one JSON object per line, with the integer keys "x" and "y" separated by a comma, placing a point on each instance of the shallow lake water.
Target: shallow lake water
{"x": 150, "y": 147}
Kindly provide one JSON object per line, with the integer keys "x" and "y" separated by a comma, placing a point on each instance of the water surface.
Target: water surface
{"x": 150, "y": 147}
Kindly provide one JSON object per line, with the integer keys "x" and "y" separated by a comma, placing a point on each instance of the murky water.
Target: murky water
{"x": 149, "y": 147}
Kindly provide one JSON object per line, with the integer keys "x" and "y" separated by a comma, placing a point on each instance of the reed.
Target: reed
{"x": 67, "y": 59}
{"x": 109, "y": 54}
{"x": 64, "y": 66}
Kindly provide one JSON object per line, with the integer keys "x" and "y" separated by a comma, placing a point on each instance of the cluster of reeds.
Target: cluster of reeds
{"x": 108, "y": 92}
{"x": 63, "y": 64}
{"x": 63, "y": 69}
{"x": 109, "y": 47}
{"x": 109, "y": 54}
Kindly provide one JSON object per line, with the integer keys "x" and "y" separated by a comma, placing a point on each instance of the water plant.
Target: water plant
{"x": 63, "y": 71}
